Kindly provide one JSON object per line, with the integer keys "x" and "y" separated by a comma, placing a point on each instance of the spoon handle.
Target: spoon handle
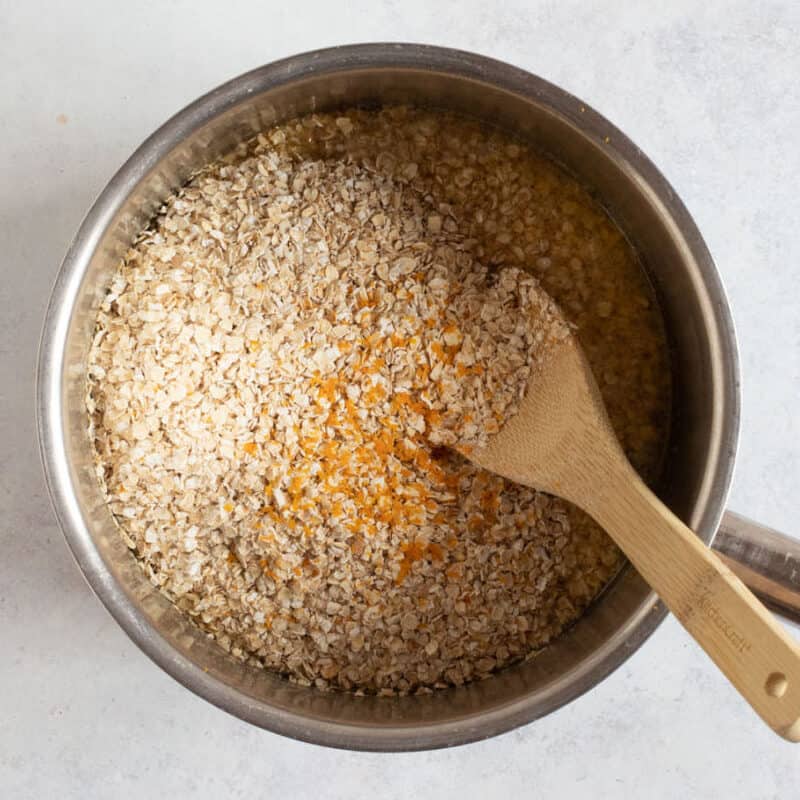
{"x": 744, "y": 640}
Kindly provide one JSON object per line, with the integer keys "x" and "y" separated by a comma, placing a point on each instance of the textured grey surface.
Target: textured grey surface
{"x": 709, "y": 90}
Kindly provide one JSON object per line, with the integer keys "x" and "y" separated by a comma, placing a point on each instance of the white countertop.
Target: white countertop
{"x": 709, "y": 90}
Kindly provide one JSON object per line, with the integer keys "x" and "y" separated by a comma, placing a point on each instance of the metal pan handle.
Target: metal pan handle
{"x": 766, "y": 561}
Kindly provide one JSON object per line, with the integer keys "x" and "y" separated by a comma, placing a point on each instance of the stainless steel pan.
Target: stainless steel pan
{"x": 704, "y": 360}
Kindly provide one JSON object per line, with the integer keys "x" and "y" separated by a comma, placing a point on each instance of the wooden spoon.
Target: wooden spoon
{"x": 561, "y": 442}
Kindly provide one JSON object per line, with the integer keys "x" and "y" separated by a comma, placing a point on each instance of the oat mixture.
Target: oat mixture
{"x": 285, "y": 356}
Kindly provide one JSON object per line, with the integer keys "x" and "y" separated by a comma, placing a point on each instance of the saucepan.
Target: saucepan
{"x": 705, "y": 413}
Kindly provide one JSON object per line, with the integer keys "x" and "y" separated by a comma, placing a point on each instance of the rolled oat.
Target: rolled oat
{"x": 283, "y": 357}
